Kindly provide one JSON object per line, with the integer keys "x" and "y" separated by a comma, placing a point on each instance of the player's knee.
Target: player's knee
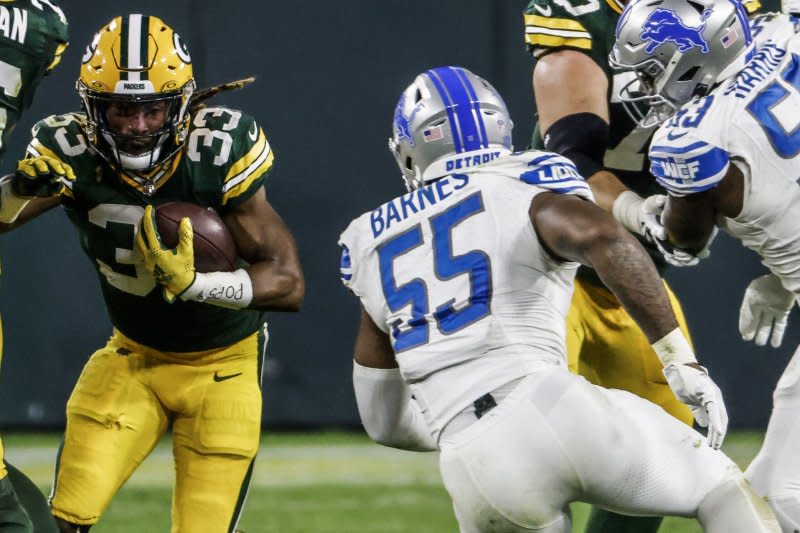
{"x": 733, "y": 505}
{"x": 68, "y": 527}
{"x": 229, "y": 426}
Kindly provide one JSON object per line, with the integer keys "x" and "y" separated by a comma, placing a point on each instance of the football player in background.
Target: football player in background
{"x": 31, "y": 43}
{"x": 580, "y": 117}
{"x": 184, "y": 351}
{"x": 728, "y": 153}
{"x": 464, "y": 284}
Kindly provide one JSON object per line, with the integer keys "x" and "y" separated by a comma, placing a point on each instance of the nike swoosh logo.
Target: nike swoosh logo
{"x": 545, "y": 11}
{"x": 672, "y": 137}
{"x": 253, "y": 133}
{"x": 219, "y": 378}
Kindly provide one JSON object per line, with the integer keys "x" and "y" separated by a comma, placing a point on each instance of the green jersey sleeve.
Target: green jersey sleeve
{"x": 584, "y": 25}
{"x": 232, "y": 148}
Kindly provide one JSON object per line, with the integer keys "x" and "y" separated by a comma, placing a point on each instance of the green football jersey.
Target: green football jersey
{"x": 589, "y": 26}
{"x": 33, "y": 35}
{"x": 224, "y": 161}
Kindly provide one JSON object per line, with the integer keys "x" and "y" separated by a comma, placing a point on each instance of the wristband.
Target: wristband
{"x": 11, "y": 205}
{"x": 673, "y": 348}
{"x": 625, "y": 210}
{"x": 233, "y": 290}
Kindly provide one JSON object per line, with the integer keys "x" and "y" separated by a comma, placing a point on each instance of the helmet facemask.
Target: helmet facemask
{"x": 152, "y": 148}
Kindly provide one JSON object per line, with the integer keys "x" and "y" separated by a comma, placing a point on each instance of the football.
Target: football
{"x": 214, "y": 248}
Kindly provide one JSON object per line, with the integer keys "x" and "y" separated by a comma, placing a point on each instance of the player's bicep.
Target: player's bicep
{"x": 566, "y": 82}
{"x": 259, "y": 231}
{"x": 572, "y": 228}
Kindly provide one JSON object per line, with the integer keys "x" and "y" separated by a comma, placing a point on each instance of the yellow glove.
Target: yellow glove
{"x": 172, "y": 268}
{"x": 41, "y": 176}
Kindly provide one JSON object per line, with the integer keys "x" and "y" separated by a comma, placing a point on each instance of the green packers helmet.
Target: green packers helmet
{"x": 136, "y": 59}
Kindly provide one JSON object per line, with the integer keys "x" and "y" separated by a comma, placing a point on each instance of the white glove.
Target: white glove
{"x": 765, "y": 308}
{"x": 650, "y": 217}
{"x": 692, "y": 386}
{"x": 678, "y": 257}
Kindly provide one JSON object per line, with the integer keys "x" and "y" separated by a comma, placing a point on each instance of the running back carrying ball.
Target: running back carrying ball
{"x": 214, "y": 249}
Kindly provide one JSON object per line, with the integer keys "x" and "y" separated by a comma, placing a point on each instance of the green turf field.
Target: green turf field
{"x": 321, "y": 483}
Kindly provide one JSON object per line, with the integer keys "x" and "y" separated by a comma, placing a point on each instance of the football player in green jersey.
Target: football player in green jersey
{"x": 31, "y": 43}
{"x": 187, "y": 347}
{"x": 579, "y": 116}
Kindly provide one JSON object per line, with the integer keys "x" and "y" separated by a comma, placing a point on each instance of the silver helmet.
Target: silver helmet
{"x": 679, "y": 49}
{"x": 449, "y": 120}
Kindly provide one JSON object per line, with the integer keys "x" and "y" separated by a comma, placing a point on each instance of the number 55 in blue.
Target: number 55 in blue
{"x": 475, "y": 263}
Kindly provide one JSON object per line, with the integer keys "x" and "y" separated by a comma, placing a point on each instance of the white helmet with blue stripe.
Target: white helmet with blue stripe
{"x": 449, "y": 120}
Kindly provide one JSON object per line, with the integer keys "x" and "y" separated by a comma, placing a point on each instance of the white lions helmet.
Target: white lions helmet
{"x": 449, "y": 120}
{"x": 679, "y": 49}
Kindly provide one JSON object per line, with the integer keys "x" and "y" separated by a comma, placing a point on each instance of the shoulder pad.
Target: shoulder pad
{"x": 683, "y": 164}
{"x": 552, "y": 172}
{"x": 232, "y": 140}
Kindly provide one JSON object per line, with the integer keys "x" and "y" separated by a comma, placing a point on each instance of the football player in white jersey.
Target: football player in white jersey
{"x": 728, "y": 153}
{"x": 464, "y": 284}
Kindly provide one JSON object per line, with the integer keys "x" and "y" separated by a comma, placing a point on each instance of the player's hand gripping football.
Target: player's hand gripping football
{"x": 692, "y": 386}
{"x": 41, "y": 176}
{"x": 172, "y": 268}
{"x": 765, "y": 311}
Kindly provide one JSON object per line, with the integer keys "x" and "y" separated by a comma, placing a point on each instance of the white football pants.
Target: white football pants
{"x": 775, "y": 471}
{"x": 556, "y": 438}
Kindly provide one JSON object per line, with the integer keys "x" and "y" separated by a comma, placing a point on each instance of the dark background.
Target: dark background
{"x": 329, "y": 75}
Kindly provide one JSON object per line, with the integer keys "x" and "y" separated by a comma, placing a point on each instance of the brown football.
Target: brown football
{"x": 214, "y": 248}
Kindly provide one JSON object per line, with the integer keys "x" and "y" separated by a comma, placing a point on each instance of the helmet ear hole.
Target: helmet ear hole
{"x": 417, "y": 96}
{"x": 689, "y": 74}
{"x": 408, "y": 164}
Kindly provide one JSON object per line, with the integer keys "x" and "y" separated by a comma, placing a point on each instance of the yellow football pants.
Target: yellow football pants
{"x": 127, "y": 396}
{"x": 605, "y": 346}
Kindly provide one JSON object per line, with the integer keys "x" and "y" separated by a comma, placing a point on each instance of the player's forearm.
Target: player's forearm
{"x": 625, "y": 268}
{"x": 276, "y": 287}
{"x": 388, "y": 412}
{"x": 606, "y": 187}
{"x": 689, "y": 221}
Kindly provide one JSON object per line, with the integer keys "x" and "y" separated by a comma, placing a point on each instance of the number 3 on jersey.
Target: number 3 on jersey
{"x": 475, "y": 263}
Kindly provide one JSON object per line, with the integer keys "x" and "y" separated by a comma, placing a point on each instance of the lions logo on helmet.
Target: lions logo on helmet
{"x": 137, "y": 60}
{"x": 449, "y": 120}
{"x": 679, "y": 49}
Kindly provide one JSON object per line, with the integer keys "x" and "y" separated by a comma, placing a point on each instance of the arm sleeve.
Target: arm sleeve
{"x": 683, "y": 164}
{"x": 388, "y": 412}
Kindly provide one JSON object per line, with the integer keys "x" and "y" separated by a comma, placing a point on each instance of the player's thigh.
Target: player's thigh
{"x": 616, "y": 354}
{"x": 113, "y": 422}
{"x": 633, "y": 457}
{"x": 508, "y": 470}
{"x": 215, "y": 445}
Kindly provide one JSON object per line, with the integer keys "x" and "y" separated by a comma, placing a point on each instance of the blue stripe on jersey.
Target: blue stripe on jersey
{"x": 457, "y": 100}
{"x": 687, "y": 174}
{"x": 345, "y": 266}
{"x": 476, "y": 107}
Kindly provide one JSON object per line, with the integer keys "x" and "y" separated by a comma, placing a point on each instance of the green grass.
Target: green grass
{"x": 321, "y": 482}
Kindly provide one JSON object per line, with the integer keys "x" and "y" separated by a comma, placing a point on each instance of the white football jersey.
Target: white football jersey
{"x": 752, "y": 121}
{"x": 457, "y": 277}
